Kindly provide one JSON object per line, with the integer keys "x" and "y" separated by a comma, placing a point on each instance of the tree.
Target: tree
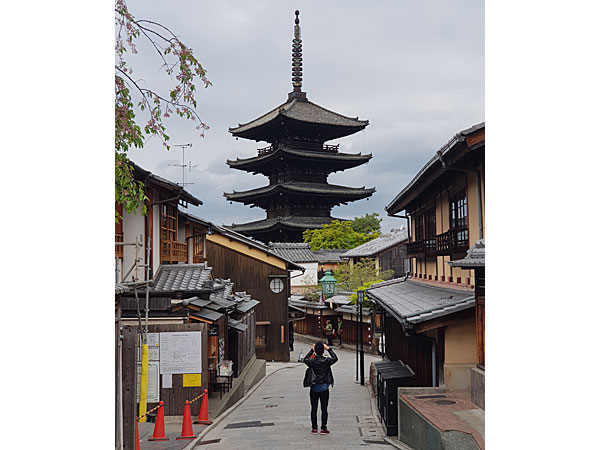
{"x": 337, "y": 234}
{"x": 178, "y": 61}
{"x": 361, "y": 272}
{"x": 367, "y": 224}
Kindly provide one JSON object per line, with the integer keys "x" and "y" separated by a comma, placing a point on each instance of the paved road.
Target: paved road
{"x": 281, "y": 408}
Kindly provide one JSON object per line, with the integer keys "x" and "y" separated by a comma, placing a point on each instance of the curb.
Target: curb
{"x": 228, "y": 411}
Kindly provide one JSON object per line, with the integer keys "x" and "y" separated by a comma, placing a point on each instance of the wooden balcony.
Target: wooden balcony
{"x": 444, "y": 244}
{"x": 118, "y": 248}
{"x": 173, "y": 251}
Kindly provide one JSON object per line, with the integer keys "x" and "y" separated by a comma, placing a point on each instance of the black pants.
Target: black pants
{"x": 314, "y": 402}
{"x": 329, "y": 339}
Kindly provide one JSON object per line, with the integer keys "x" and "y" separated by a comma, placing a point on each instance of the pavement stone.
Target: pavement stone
{"x": 282, "y": 401}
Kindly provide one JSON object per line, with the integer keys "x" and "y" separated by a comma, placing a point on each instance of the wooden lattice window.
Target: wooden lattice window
{"x": 261, "y": 336}
{"x": 459, "y": 219}
{"x": 168, "y": 222}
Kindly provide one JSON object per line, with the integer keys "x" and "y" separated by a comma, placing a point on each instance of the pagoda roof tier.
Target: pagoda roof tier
{"x": 334, "y": 193}
{"x": 299, "y": 117}
{"x": 328, "y": 160}
{"x": 292, "y": 222}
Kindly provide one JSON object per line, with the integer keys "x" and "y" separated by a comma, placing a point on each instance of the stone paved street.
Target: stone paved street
{"x": 282, "y": 406}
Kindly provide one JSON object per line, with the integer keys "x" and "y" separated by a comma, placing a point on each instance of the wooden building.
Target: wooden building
{"x": 388, "y": 251}
{"x": 297, "y": 163}
{"x": 256, "y": 270}
{"x": 429, "y": 317}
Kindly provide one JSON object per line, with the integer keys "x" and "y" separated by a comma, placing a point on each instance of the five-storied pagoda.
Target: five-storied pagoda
{"x": 297, "y": 163}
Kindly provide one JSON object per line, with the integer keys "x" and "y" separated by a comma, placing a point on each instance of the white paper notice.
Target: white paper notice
{"x": 153, "y": 354}
{"x": 180, "y": 352}
{"x": 167, "y": 380}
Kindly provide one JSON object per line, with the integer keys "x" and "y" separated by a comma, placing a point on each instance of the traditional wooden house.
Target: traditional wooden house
{"x": 429, "y": 317}
{"x": 388, "y": 251}
{"x": 329, "y": 259}
{"x": 300, "y": 254}
{"x": 253, "y": 268}
{"x": 144, "y": 242}
{"x": 297, "y": 163}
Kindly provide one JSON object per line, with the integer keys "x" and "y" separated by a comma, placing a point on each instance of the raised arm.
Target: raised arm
{"x": 307, "y": 359}
{"x": 334, "y": 357}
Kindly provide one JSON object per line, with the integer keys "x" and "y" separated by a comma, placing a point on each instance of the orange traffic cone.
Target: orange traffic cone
{"x": 159, "y": 426}
{"x": 203, "y": 416}
{"x": 187, "y": 431}
{"x": 137, "y": 434}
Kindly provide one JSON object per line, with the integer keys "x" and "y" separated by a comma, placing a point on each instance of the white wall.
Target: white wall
{"x": 133, "y": 226}
{"x": 309, "y": 277}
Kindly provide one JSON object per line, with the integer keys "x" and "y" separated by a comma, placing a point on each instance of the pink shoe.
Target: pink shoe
{"x": 324, "y": 431}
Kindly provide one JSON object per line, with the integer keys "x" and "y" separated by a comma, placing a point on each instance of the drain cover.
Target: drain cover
{"x": 271, "y": 406}
{"x": 252, "y": 424}
{"x": 444, "y": 402}
{"x": 212, "y": 441}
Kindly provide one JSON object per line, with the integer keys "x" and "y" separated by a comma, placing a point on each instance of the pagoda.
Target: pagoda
{"x": 297, "y": 163}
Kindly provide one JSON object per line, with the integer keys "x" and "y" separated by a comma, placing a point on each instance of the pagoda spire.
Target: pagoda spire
{"x": 297, "y": 62}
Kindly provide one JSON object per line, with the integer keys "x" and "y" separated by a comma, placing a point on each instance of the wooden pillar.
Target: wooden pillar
{"x": 129, "y": 387}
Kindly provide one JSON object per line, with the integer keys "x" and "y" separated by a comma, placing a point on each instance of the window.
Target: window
{"x": 458, "y": 219}
{"x": 261, "y": 336}
{"x": 276, "y": 285}
{"x": 168, "y": 222}
{"x": 425, "y": 228}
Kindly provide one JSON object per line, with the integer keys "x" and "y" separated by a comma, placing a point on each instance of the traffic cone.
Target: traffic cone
{"x": 187, "y": 431}
{"x": 137, "y": 434}
{"x": 159, "y": 426}
{"x": 203, "y": 416}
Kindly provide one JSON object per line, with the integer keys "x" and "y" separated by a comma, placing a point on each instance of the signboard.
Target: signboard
{"x": 213, "y": 329}
{"x": 153, "y": 348}
{"x": 192, "y": 379}
{"x": 153, "y": 395}
{"x": 181, "y": 352}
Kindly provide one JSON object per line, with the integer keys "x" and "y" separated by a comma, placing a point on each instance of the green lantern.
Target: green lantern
{"x": 327, "y": 284}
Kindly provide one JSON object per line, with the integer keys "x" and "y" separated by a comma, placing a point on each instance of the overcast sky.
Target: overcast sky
{"x": 415, "y": 70}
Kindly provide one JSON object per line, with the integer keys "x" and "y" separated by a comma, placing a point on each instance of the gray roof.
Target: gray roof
{"x": 351, "y": 309}
{"x": 182, "y": 277}
{"x": 330, "y": 254}
{"x": 306, "y": 303}
{"x": 475, "y": 257}
{"x": 459, "y": 137}
{"x": 236, "y": 324}
{"x": 304, "y": 111}
{"x": 207, "y": 314}
{"x": 294, "y": 251}
{"x": 184, "y": 195}
{"x": 357, "y": 158}
{"x": 378, "y": 245}
{"x": 303, "y": 188}
{"x": 291, "y": 221}
{"x": 411, "y": 302}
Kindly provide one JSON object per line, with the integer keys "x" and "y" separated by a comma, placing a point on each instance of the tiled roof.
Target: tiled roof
{"x": 383, "y": 242}
{"x": 459, "y": 137}
{"x": 182, "y": 278}
{"x": 475, "y": 257}
{"x": 411, "y": 302}
{"x": 330, "y": 255}
{"x": 357, "y": 158}
{"x": 304, "y": 188}
{"x": 294, "y": 251}
{"x": 185, "y": 195}
{"x": 291, "y": 221}
{"x": 303, "y": 111}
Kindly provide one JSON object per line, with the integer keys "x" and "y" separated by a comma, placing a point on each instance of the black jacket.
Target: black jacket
{"x": 321, "y": 366}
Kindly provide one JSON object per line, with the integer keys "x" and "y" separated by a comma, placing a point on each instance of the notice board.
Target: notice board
{"x": 180, "y": 352}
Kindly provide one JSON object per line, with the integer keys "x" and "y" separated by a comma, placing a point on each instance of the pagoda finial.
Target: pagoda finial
{"x": 297, "y": 56}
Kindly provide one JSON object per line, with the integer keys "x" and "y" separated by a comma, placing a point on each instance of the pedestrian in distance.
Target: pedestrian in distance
{"x": 319, "y": 390}
{"x": 339, "y": 330}
{"x": 329, "y": 333}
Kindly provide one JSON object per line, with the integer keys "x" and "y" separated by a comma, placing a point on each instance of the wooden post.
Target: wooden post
{"x": 129, "y": 387}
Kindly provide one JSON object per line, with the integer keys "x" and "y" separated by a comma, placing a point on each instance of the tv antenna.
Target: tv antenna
{"x": 183, "y": 165}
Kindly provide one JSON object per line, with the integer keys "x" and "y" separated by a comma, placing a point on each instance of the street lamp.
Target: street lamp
{"x": 360, "y": 296}
{"x": 327, "y": 283}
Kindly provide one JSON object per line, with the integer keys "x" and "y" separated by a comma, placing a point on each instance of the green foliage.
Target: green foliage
{"x": 360, "y": 273}
{"x": 367, "y": 302}
{"x": 367, "y": 224}
{"x": 337, "y": 234}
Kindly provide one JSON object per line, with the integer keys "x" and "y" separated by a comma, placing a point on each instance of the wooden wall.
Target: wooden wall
{"x": 241, "y": 344}
{"x": 252, "y": 276}
{"x": 411, "y": 351}
{"x": 311, "y": 326}
{"x": 174, "y": 398}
